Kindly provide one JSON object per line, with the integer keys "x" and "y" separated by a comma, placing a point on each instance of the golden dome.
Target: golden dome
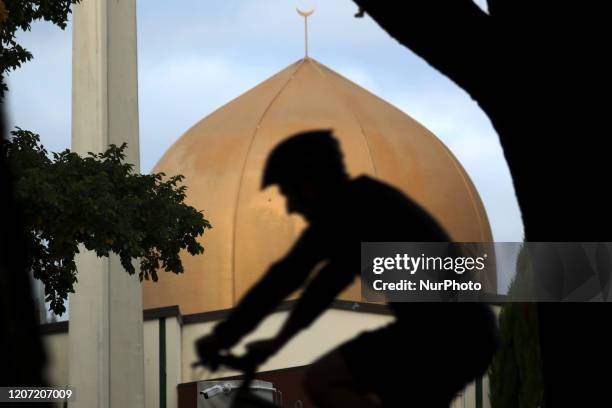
{"x": 222, "y": 159}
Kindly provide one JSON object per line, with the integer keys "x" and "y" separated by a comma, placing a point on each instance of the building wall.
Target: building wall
{"x": 330, "y": 330}
{"x": 174, "y": 349}
{"x": 56, "y": 345}
{"x": 151, "y": 362}
{"x": 162, "y": 340}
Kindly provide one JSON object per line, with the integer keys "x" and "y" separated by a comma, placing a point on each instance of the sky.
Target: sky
{"x": 195, "y": 56}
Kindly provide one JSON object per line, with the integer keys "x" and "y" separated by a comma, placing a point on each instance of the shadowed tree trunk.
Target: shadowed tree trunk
{"x": 538, "y": 70}
{"x": 22, "y": 357}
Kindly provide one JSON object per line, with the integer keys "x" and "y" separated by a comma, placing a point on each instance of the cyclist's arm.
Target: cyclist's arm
{"x": 317, "y": 297}
{"x": 281, "y": 279}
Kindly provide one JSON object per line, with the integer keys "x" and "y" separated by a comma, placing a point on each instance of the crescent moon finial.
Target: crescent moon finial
{"x": 305, "y": 13}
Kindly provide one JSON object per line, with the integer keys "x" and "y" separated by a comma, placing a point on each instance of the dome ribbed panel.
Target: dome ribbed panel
{"x": 223, "y": 156}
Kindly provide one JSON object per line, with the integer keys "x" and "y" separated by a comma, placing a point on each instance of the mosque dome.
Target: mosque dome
{"x": 223, "y": 155}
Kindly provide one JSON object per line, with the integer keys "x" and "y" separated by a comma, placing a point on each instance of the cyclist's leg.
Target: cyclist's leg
{"x": 385, "y": 362}
{"x": 330, "y": 383}
{"x": 424, "y": 370}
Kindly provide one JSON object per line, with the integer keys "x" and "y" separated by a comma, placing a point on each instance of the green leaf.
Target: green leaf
{"x": 97, "y": 201}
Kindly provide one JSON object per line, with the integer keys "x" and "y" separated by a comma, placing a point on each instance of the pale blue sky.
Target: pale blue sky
{"x": 194, "y": 56}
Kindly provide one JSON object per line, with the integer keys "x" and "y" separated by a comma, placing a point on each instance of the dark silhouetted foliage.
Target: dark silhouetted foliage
{"x": 18, "y": 15}
{"x": 97, "y": 201}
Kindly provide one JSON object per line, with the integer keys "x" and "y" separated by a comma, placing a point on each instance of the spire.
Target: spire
{"x": 305, "y": 14}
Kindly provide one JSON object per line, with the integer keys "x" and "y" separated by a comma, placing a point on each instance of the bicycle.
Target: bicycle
{"x": 243, "y": 397}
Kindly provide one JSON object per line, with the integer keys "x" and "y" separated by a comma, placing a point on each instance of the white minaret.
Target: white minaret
{"x": 106, "y": 364}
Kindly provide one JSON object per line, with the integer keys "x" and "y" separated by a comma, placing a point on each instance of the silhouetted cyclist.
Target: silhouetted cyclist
{"x": 424, "y": 357}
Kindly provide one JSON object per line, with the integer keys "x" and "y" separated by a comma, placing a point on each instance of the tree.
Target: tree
{"x": 18, "y": 15}
{"x": 515, "y": 375}
{"x": 99, "y": 202}
{"x": 536, "y": 69}
{"x": 95, "y": 201}
{"x": 51, "y": 205}
{"x": 23, "y": 356}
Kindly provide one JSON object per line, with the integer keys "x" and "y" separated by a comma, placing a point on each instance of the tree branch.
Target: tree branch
{"x": 456, "y": 37}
